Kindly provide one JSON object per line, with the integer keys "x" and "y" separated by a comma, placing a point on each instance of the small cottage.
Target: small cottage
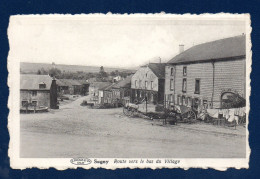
{"x": 95, "y": 86}
{"x": 105, "y": 95}
{"x": 38, "y": 91}
{"x": 73, "y": 87}
{"x": 121, "y": 91}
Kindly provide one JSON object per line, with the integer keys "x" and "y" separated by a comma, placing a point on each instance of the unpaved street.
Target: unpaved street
{"x": 75, "y": 131}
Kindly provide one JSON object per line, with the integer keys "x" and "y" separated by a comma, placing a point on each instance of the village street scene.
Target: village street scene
{"x": 193, "y": 106}
{"x": 135, "y": 88}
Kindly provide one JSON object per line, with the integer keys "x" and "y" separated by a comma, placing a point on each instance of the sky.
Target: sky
{"x": 113, "y": 41}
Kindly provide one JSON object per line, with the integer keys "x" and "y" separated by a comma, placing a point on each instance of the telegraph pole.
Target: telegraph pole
{"x": 145, "y": 100}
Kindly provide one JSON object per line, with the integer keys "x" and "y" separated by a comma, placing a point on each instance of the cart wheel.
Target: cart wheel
{"x": 190, "y": 116}
{"x": 127, "y": 111}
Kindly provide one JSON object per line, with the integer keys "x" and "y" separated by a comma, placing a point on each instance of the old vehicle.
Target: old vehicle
{"x": 130, "y": 109}
{"x": 172, "y": 115}
{"x": 182, "y": 114}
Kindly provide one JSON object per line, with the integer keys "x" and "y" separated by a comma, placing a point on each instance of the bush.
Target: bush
{"x": 84, "y": 103}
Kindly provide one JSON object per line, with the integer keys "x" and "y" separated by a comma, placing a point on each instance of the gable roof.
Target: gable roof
{"x": 107, "y": 87}
{"x": 126, "y": 83}
{"x": 216, "y": 50}
{"x": 158, "y": 69}
{"x": 31, "y": 82}
{"x": 83, "y": 82}
{"x": 99, "y": 84}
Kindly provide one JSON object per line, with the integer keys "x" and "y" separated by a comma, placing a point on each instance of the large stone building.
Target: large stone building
{"x": 148, "y": 81}
{"x": 38, "y": 90}
{"x": 207, "y": 74}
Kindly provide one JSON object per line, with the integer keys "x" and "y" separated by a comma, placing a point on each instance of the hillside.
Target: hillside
{"x": 26, "y": 67}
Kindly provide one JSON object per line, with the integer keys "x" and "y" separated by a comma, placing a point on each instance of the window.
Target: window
{"x": 172, "y": 71}
{"x": 184, "y": 85}
{"x": 189, "y": 101}
{"x": 24, "y": 103}
{"x": 136, "y": 83}
{"x": 146, "y": 84}
{"x": 184, "y": 101}
{"x": 197, "y": 86}
{"x": 146, "y": 75}
{"x": 151, "y": 84}
{"x": 140, "y": 83}
{"x": 171, "y": 84}
{"x": 172, "y": 98}
{"x": 184, "y": 71}
{"x": 205, "y": 104}
{"x": 34, "y": 93}
{"x": 179, "y": 100}
{"x": 34, "y": 103}
{"x": 42, "y": 85}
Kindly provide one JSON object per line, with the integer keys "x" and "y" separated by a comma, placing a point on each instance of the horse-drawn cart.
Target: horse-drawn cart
{"x": 182, "y": 114}
{"x": 176, "y": 113}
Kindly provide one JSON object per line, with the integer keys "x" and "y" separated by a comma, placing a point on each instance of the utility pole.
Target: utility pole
{"x": 145, "y": 99}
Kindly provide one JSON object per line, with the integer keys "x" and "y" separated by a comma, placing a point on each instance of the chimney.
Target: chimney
{"x": 160, "y": 60}
{"x": 181, "y": 48}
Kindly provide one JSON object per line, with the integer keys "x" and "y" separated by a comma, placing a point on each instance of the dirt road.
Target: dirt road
{"x": 75, "y": 131}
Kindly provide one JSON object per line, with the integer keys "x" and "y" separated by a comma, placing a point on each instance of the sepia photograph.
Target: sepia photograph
{"x": 115, "y": 91}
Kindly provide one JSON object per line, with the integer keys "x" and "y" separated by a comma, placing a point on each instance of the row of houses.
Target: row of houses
{"x": 38, "y": 90}
{"x": 73, "y": 87}
{"x": 205, "y": 75}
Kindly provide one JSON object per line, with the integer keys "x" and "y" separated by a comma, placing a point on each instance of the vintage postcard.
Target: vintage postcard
{"x": 129, "y": 91}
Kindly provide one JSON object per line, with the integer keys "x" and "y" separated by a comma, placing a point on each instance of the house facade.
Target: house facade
{"x": 62, "y": 88}
{"x": 206, "y": 75}
{"x": 116, "y": 93}
{"x": 38, "y": 90}
{"x": 69, "y": 86}
{"x": 121, "y": 91}
{"x": 148, "y": 81}
{"x": 105, "y": 95}
{"x": 94, "y": 89}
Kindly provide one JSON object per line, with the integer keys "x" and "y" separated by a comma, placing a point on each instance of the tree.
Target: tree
{"x": 102, "y": 73}
{"x": 55, "y": 72}
{"x": 39, "y": 72}
{"x": 101, "y": 70}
